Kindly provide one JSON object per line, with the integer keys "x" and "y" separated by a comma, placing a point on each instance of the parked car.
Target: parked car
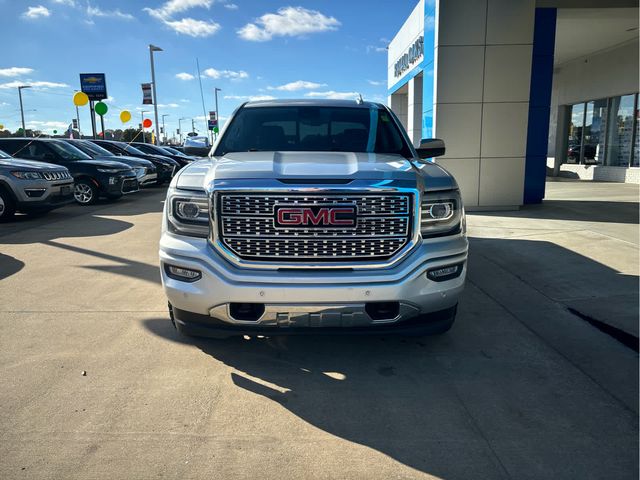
{"x": 183, "y": 160}
{"x": 573, "y": 154}
{"x": 314, "y": 217}
{"x": 177, "y": 151}
{"x": 32, "y": 187}
{"x": 198, "y": 146}
{"x": 145, "y": 170}
{"x": 92, "y": 178}
{"x": 165, "y": 167}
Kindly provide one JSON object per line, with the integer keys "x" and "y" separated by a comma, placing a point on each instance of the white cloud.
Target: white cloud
{"x": 193, "y": 27}
{"x": 376, "y": 83}
{"x": 185, "y": 26}
{"x": 97, "y": 12}
{"x": 38, "y": 124}
{"x": 289, "y": 21}
{"x": 333, "y": 95}
{"x": 171, "y": 7}
{"x": 184, "y": 76}
{"x": 16, "y": 84}
{"x": 69, "y": 3}
{"x": 233, "y": 75}
{"x": 298, "y": 85}
{"x": 373, "y": 48}
{"x": 168, "y": 105}
{"x": 231, "y": 6}
{"x": 36, "y": 12}
{"x": 253, "y": 98}
{"x": 15, "y": 71}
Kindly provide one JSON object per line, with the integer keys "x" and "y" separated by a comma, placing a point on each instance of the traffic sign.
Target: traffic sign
{"x": 147, "y": 99}
{"x": 94, "y": 85}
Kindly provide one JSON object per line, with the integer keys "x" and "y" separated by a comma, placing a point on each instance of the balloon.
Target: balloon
{"x": 1, "y": 126}
{"x": 147, "y": 123}
{"x": 80, "y": 99}
{"x": 55, "y": 131}
{"x": 101, "y": 108}
{"x": 125, "y": 116}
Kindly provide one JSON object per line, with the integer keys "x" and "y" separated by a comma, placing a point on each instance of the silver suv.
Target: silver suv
{"x": 28, "y": 187}
{"x": 314, "y": 216}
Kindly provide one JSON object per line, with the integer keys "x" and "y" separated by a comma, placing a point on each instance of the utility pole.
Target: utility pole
{"x": 180, "y": 127}
{"x": 153, "y": 48}
{"x": 193, "y": 126}
{"x": 24, "y": 129}
{"x": 142, "y": 112}
{"x": 216, "y": 90}
{"x": 164, "y": 130}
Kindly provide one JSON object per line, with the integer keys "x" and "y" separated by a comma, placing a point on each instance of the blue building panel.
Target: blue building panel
{"x": 535, "y": 170}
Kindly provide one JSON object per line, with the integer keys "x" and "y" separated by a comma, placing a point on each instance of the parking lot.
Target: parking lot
{"x": 537, "y": 379}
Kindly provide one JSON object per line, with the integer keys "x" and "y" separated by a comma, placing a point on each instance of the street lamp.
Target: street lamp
{"x": 24, "y": 130}
{"x": 142, "y": 112}
{"x": 164, "y": 130}
{"x": 215, "y": 91}
{"x": 153, "y": 48}
{"x": 180, "y": 127}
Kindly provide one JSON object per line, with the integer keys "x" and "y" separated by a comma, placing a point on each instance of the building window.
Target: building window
{"x": 605, "y": 132}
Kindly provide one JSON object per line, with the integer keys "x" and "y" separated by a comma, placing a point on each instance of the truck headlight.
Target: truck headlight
{"x": 188, "y": 213}
{"x": 441, "y": 214}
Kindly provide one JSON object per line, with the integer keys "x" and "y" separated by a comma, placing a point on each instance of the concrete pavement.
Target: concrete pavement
{"x": 516, "y": 390}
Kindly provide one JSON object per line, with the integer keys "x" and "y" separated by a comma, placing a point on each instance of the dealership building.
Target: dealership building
{"x": 519, "y": 90}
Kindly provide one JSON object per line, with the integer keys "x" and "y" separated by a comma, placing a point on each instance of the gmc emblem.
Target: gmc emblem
{"x": 316, "y": 216}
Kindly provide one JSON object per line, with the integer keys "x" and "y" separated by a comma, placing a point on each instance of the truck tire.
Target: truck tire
{"x": 85, "y": 192}
{"x": 7, "y": 206}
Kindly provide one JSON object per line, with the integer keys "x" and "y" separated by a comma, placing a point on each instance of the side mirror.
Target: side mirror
{"x": 430, "y": 147}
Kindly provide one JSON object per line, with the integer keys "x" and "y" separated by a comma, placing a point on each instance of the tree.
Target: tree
{"x": 134, "y": 135}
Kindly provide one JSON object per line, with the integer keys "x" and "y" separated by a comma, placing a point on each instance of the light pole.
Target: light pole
{"x": 164, "y": 130}
{"x": 180, "y": 127}
{"x": 24, "y": 129}
{"x": 216, "y": 90}
{"x": 142, "y": 112}
{"x": 153, "y": 48}
{"x": 77, "y": 119}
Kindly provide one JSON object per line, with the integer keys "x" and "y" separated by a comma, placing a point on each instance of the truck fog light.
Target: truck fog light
{"x": 445, "y": 273}
{"x": 183, "y": 274}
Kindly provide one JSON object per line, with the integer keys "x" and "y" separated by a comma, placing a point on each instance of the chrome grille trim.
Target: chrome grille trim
{"x": 56, "y": 175}
{"x": 245, "y": 226}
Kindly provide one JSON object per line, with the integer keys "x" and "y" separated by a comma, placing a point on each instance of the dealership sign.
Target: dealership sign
{"x": 94, "y": 85}
{"x": 413, "y": 54}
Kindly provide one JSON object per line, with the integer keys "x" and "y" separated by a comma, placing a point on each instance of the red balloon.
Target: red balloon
{"x": 146, "y": 123}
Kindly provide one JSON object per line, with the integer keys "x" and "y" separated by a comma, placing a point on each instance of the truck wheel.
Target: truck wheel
{"x": 7, "y": 206}
{"x": 85, "y": 192}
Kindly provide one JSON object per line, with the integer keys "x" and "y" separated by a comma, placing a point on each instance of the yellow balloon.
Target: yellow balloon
{"x": 1, "y": 126}
{"x": 125, "y": 116}
{"x": 80, "y": 99}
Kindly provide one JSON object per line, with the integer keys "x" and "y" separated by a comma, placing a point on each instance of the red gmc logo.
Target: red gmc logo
{"x": 316, "y": 216}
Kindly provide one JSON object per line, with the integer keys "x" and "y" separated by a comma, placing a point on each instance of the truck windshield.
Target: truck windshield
{"x": 315, "y": 129}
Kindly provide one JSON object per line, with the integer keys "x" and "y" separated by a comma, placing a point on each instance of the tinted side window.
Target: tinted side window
{"x": 35, "y": 151}
{"x": 10, "y": 146}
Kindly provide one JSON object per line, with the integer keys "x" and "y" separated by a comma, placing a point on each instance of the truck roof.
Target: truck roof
{"x": 306, "y": 102}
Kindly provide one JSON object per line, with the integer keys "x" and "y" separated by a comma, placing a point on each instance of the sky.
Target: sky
{"x": 250, "y": 49}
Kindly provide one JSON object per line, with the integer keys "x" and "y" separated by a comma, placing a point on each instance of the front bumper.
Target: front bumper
{"x": 303, "y": 300}
{"x": 43, "y": 195}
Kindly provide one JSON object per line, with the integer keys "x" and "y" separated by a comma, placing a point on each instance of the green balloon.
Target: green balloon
{"x": 55, "y": 131}
{"x": 101, "y": 108}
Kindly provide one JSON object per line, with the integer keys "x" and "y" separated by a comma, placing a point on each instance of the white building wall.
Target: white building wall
{"x": 411, "y": 30}
{"x": 607, "y": 73}
{"x": 483, "y": 73}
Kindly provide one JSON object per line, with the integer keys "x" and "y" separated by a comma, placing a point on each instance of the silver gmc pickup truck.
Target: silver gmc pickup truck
{"x": 314, "y": 217}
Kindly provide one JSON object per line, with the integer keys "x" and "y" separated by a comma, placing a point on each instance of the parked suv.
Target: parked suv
{"x": 93, "y": 178}
{"x": 151, "y": 149}
{"x": 314, "y": 216}
{"x": 165, "y": 167}
{"x": 145, "y": 170}
{"x": 32, "y": 187}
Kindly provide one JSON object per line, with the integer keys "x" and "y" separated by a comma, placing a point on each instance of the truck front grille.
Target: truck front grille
{"x": 301, "y": 227}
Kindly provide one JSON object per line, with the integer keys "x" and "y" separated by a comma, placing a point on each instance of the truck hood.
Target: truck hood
{"x": 313, "y": 165}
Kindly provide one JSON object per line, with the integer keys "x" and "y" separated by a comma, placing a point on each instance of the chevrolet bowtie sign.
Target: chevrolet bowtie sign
{"x": 413, "y": 54}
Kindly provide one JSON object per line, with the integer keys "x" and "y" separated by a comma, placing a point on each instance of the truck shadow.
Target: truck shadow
{"x": 9, "y": 266}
